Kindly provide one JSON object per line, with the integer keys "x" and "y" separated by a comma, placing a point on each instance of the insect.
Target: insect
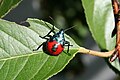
{"x": 116, "y": 8}
{"x": 54, "y": 44}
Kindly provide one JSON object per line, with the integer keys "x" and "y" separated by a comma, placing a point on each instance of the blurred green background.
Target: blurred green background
{"x": 67, "y": 13}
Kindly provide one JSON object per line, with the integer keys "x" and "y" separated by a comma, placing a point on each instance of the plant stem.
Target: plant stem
{"x": 95, "y": 53}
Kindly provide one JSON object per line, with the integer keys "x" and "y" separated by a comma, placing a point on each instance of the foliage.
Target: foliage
{"x": 6, "y": 6}
{"x": 100, "y": 18}
{"x": 17, "y": 59}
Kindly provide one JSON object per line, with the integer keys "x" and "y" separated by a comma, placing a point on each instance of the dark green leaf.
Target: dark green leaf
{"x": 7, "y": 5}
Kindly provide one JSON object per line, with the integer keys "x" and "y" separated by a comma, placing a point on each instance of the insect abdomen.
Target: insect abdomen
{"x": 53, "y": 48}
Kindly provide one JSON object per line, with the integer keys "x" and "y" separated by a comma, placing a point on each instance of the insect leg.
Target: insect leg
{"x": 45, "y": 37}
{"x": 68, "y": 44}
{"x": 38, "y": 47}
{"x": 67, "y": 53}
{"x": 48, "y": 34}
{"x": 52, "y": 30}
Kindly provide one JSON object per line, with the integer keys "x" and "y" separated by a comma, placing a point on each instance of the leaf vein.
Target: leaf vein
{"x": 39, "y": 68}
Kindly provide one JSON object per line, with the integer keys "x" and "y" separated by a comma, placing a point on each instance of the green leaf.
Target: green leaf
{"x": 17, "y": 59}
{"x": 100, "y": 18}
{"x": 7, "y": 5}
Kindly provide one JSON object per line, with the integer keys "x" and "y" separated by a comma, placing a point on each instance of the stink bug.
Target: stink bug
{"x": 54, "y": 44}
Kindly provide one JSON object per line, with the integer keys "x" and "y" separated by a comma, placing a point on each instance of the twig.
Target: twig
{"x": 95, "y": 53}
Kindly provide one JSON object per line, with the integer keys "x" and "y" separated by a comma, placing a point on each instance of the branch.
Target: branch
{"x": 95, "y": 53}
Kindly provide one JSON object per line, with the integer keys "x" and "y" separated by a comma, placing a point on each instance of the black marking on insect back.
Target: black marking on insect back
{"x": 45, "y": 49}
{"x": 54, "y": 47}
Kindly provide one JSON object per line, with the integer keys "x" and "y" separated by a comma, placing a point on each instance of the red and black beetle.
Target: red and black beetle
{"x": 54, "y": 44}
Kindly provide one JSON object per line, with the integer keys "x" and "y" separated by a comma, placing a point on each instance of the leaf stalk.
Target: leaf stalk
{"x": 95, "y": 53}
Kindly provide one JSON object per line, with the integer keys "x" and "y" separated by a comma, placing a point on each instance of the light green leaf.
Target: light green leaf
{"x": 7, "y": 5}
{"x": 17, "y": 59}
{"x": 100, "y": 18}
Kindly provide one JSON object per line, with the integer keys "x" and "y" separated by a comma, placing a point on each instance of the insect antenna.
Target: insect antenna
{"x": 52, "y": 19}
{"x": 59, "y": 25}
{"x": 54, "y": 22}
{"x": 68, "y": 28}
